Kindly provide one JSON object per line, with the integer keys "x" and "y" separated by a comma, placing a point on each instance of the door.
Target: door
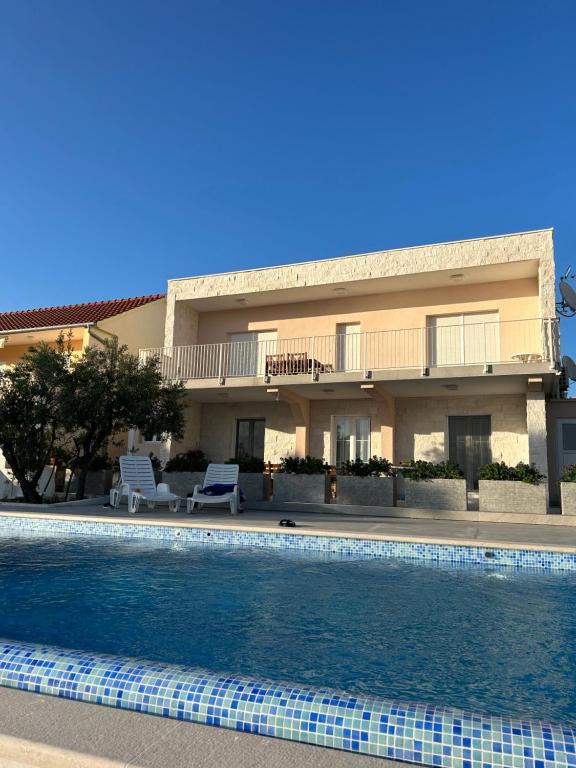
{"x": 566, "y": 436}
{"x": 348, "y": 340}
{"x": 250, "y": 438}
{"x": 469, "y": 440}
{"x": 464, "y": 339}
{"x": 247, "y": 352}
{"x": 351, "y": 439}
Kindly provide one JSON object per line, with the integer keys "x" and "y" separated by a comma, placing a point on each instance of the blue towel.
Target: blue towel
{"x": 219, "y": 489}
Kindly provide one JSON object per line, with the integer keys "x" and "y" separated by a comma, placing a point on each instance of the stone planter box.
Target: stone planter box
{"x": 252, "y": 483}
{"x": 98, "y": 482}
{"x": 513, "y": 496}
{"x": 366, "y": 491}
{"x": 568, "y": 498}
{"x": 307, "y": 489}
{"x": 436, "y": 494}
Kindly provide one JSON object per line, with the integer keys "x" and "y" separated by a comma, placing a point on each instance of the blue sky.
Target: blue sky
{"x": 146, "y": 140}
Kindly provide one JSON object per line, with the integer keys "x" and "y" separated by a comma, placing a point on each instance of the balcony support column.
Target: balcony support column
{"x": 300, "y": 408}
{"x": 536, "y": 426}
{"x": 388, "y": 418}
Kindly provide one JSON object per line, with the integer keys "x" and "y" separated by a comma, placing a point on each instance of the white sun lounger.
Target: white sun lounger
{"x": 217, "y": 473}
{"x": 137, "y": 481}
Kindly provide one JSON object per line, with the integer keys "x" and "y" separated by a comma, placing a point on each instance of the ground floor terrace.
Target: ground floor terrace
{"x": 467, "y": 421}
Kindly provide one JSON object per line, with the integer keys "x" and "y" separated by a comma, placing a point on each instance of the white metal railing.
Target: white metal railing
{"x": 507, "y": 341}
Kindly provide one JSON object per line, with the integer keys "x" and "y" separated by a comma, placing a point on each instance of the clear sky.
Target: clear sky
{"x": 144, "y": 140}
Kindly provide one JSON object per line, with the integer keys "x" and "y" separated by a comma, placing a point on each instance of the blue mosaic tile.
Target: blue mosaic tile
{"x": 410, "y": 732}
{"x": 455, "y": 554}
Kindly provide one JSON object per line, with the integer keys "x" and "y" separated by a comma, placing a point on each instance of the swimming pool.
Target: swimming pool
{"x": 454, "y": 635}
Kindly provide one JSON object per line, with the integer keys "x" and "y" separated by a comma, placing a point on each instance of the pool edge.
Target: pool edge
{"x": 397, "y": 730}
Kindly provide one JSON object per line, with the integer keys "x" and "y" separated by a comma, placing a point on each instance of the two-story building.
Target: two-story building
{"x": 445, "y": 351}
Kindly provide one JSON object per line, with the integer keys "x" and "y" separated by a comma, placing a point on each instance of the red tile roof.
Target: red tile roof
{"x": 72, "y": 314}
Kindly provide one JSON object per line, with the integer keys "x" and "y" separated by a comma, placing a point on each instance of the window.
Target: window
{"x": 463, "y": 339}
{"x": 250, "y": 438}
{"x": 351, "y": 439}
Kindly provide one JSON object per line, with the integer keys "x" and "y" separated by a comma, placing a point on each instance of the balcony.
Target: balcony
{"x": 534, "y": 341}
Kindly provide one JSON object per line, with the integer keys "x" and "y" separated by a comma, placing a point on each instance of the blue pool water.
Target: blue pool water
{"x": 502, "y": 641}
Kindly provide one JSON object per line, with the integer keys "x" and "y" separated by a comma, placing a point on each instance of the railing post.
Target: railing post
{"x": 221, "y": 378}
{"x": 312, "y": 357}
{"x": 424, "y": 368}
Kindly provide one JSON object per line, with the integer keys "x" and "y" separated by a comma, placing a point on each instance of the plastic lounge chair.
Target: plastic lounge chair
{"x": 137, "y": 481}
{"x": 217, "y": 474}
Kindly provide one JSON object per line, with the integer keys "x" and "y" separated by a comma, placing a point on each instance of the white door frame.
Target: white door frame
{"x": 352, "y": 417}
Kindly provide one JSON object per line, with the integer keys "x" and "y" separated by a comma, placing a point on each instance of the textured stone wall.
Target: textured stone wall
{"x": 181, "y": 324}
{"x": 436, "y": 494}
{"x": 537, "y": 433}
{"x": 513, "y": 496}
{"x": 218, "y": 429}
{"x": 321, "y": 412}
{"x": 405, "y": 261}
{"x": 306, "y": 489}
{"x": 422, "y": 425}
{"x": 568, "y": 496}
{"x": 183, "y": 483}
{"x": 366, "y": 491}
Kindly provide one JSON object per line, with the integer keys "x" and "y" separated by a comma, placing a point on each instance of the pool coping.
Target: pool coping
{"x": 190, "y": 522}
{"x": 407, "y": 731}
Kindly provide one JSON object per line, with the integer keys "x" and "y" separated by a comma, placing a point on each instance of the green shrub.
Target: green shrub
{"x": 190, "y": 461}
{"x": 427, "y": 470}
{"x": 499, "y": 470}
{"x": 249, "y": 464}
{"x": 308, "y": 466}
{"x": 374, "y": 467}
{"x": 569, "y": 474}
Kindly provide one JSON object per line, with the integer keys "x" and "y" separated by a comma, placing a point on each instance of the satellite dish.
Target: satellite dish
{"x": 567, "y": 305}
{"x": 568, "y": 295}
{"x": 570, "y": 367}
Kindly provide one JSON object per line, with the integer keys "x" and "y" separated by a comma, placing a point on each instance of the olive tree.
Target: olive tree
{"x": 31, "y": 426}
{"x": 54, "y": 403}
{"x": 108, "y": 391}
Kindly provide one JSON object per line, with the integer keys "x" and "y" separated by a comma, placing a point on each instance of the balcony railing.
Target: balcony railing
{"x": 511, "y": 341}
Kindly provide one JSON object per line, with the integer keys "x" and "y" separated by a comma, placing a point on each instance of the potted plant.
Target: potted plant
{"x": 366, "y": 483}
{"x": 185, "y": 470}
{"x": 434, "y": 486}
{"x": 251, "y": 479}
{"x": 301, "y": 480}
{"x": 568, "y": 490}
{"x": 512, "y": 489}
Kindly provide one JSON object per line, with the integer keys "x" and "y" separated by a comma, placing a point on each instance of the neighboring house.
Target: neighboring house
{"x": 437, "y": 352}
{"x": 135, "y": 322}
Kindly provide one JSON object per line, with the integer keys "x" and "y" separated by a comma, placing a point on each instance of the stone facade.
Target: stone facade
{"x": 305, "y": 489}
{"x": 436, "y": 494}
{"x": 568, "y": 498}
{"x": 366, "y": 491}
{"x": 422, "y": 425}
{"x": 537, "y": 433}
{"x": 528, "y": 246}
{"x": 321, "y": 413}
{"x": 513, "y": 496}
